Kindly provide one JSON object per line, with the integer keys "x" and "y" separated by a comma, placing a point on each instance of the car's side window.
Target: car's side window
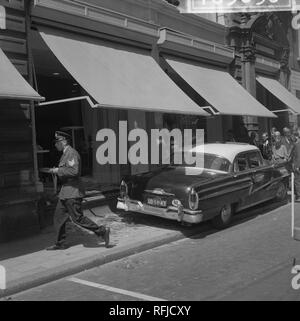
{"x": 241, "y": 163}
{"x": 255, "y": 160}
{"x": 219, "y": 164}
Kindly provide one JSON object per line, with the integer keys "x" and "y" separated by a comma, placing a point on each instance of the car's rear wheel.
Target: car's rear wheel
{"x": 281, "y": 193}
{"x": 223, "y": 219}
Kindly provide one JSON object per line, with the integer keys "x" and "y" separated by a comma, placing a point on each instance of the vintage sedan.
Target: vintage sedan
{"x": 234, "y": 177}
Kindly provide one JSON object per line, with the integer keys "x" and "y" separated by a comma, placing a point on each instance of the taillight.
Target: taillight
{"x": 193, "y": 200}
{"x": 123, "y": 190}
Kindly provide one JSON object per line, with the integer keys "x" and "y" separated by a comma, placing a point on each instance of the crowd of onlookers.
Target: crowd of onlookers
{"x": 281, "y": 147}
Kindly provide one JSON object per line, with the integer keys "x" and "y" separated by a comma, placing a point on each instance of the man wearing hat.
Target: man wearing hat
{"x": 71, "y": 194}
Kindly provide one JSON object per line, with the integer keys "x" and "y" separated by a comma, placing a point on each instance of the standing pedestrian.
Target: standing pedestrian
{"x": 273, "y": 131}
{"x": 279, "y": 150}
{"x": 71, "y": 194}
{"x": 287, "y": 140}
{"x": 265, "y": 147}
{"x": 296, "y": 135}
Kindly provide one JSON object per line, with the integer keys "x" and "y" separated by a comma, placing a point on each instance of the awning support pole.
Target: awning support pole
{"x": 61, "y": 101}
{"x": 211, "y": 110}
{"x": 284, "y": 110}
{"x": 38, "y": 185}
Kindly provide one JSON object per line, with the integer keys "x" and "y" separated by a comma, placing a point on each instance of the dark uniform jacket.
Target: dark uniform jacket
{"x": 296, "y": 156}
{"x": 69, "y": 172}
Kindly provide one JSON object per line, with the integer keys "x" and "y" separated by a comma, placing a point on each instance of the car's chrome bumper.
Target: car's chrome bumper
{"x": 173, "y": 213}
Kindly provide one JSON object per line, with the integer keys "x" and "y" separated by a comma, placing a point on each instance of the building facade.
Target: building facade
{"x": 34, "y": 38}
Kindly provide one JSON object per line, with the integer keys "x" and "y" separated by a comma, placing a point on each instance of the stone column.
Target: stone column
{"x": 249, "y": 76}
{"x": 240, "y": 37}
{"x": 284, "y": 79}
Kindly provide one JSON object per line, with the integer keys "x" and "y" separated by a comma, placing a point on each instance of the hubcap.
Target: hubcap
{"x": 226, "y": 213}
{"x": 281, "y": 191}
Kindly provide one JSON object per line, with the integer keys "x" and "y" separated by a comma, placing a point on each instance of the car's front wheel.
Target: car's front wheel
{"x": 223, "y": 219}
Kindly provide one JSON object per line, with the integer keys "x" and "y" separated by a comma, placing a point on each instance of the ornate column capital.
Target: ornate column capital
{"x": 284, "y": 59}
{"x": 248, "y": 53}
{"x": 240, "y": 36}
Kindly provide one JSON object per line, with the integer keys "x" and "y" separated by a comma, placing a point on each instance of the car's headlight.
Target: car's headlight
{"x": 123, "y": 189}
{"x": 193, "y": 200}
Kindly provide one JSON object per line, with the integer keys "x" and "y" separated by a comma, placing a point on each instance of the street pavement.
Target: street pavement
{"x": 251, "y": 260}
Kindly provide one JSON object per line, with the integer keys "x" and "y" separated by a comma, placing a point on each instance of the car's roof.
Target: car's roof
{"x": 228, "y": 150}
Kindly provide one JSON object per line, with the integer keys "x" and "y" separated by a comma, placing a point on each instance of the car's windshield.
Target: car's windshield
{"x": 210, "y": 161}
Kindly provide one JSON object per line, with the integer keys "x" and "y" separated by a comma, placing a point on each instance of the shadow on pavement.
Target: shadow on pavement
{"x": 27, "y": 245}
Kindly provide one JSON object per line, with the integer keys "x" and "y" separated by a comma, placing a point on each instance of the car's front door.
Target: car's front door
{"x": 262, "y": 177}
{"x": 242, "y": 173}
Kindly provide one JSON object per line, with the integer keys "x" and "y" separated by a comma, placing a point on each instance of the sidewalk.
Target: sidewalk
{"x": 28, "y": 264}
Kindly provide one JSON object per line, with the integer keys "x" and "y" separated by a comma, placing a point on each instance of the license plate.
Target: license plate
{"x": 157, "y": 202}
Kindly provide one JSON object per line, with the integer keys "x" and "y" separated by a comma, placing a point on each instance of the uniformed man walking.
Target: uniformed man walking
{"x": 71, "y": 194}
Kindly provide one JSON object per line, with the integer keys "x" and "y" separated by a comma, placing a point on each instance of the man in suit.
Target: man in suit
{"x": 287, "y": 140}
{"x": 273, "y": 131}
{"x": 265, "y": 147}
{"x": 71, "y": 194}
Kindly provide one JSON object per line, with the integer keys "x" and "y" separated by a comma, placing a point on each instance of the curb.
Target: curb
{"x": 66, "y": 270}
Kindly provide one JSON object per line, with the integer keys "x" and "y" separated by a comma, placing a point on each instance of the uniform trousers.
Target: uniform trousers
{"x": 72, "y": 209}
